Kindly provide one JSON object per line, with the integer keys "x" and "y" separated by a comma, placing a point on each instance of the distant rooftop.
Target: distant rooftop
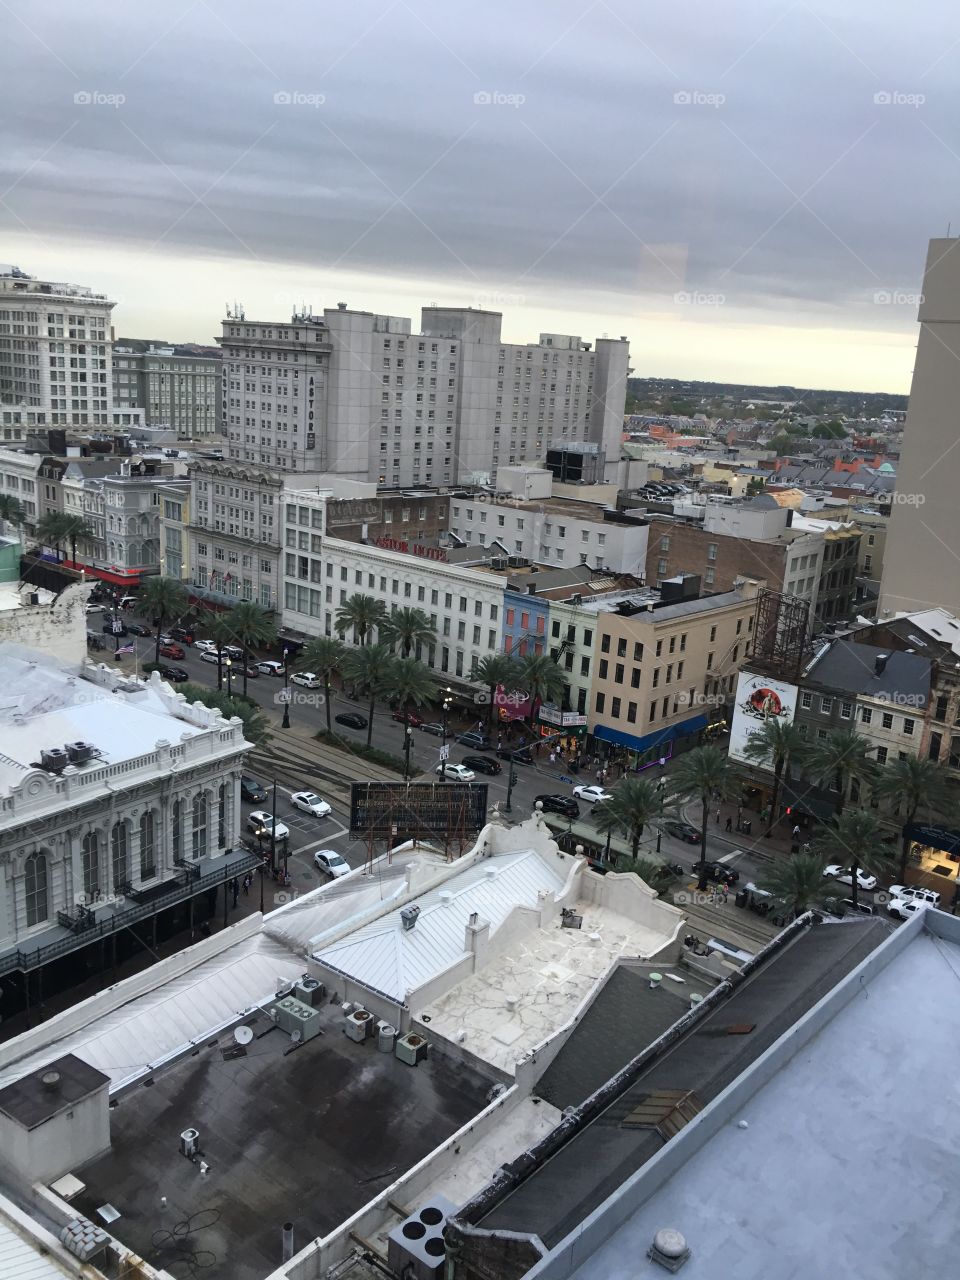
{"x": 865, "y": 669}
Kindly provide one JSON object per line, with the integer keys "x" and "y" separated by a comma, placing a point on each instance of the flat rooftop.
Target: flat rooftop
{"x": 308, "y": 1136}
{"x": 845, "y": 1168}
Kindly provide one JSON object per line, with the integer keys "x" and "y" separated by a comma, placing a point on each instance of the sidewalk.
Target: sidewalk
{"x": 778, "y": 844}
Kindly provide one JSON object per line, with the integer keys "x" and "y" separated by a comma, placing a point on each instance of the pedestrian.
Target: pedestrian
{"x": 725, "y": 890}
{"x": 739, "y": 816}
{"x": 247, "y": 881}
{"x": 796, "y": 831}
{"x": 599, "y": 776}
{"x": 553, "y": 757}
{"x": 718, "y": 817}
{"x": 729, "y": 826}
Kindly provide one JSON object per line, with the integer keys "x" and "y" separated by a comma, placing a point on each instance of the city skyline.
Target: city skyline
{"x": 568, "y": 169}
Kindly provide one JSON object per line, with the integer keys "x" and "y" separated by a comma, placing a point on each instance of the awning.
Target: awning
{"x": 117, "y": 577}
{"x": 936, "y": 837}
{"x": 667, "y": 734}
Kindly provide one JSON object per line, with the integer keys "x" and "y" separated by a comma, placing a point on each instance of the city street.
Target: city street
{"x": 308, "y": 833}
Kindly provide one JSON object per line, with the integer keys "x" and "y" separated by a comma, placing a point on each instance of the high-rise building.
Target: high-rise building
{"x": 358, "y": 395}
{"x": 55, "y": 353}
{"x": 177, "y": 387}
{"x": 920, "y": 558}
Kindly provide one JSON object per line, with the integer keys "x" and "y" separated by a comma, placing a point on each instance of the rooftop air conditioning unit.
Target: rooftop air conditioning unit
{"x": 55, "y": 760}
{"x": 359, "y": 1025}
{"x": 295, "y": 1016}
{"x": 415, "y": 1247}
{"x": 80, "y": 752}
{"x": 310, "y": 991}
{"x": 498, "y": 565}
{"x": 190, "y": 1143}
{"x": 411, "y": 1048}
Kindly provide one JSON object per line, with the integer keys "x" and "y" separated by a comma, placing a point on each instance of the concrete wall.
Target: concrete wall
{"x": 628, "y": 895}
{"x": 58, "y": 630}
{"x": 71, "y": 1138}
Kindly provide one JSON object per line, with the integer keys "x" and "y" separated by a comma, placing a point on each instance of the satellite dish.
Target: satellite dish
{"x": 296, "y": 1036}
{"x": 243, "y": 1035}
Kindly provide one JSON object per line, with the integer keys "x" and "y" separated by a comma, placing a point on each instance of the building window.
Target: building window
{"x": 90, "y": 865}
{"x": 148, "y": 845}
{"x": 119, "y": 856}
{"x": 36, "y": 889}
{"x": 908, "y": 726}
{"x": 881, "y": 755}
{"x": 936, "y": 742}
{"x": 199, "y": 826}
{"x": 866, "y": 715}
{"x": 222, "y": 816}
{"x": 615, "y": 708}
{"x": 826, "y": 705}
{"x": 605, "y": 644}
{"x": 886, "y": 720}
{"x": 177, "y": 829}
{"x": 846, "y": 710}
{"x": 941, "y": 711}
{"x": 601, "y": 699}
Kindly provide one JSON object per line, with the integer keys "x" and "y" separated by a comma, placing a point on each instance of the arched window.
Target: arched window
{"x": 35, "y": 882}
{"x": 90, "y": 865}
{"x": 119, "y": 856}
{"x": 177, "y": 829}
{"x": 222, "y": 816}
{"x": 148, "y": 845}
{"x": 199, "y": 845}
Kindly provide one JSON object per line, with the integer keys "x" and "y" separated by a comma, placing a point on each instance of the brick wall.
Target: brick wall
{"x": 736, "y": 557}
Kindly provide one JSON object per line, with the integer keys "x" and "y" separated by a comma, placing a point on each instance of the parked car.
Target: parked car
{"x": 233, "y": 652}
{"x": 479, "y": 741}
{"x": 307, "y": 802}
{"x": 844, "y": 875}
{"x": 205, "y": 646}
{"x": 481, "y": 764}
{"x": 252, "y": 673}
{"x": 915, "y": 893}
{"x": 138, "y": 629}
{"x": 259, "y": 820}
{"x": 559, "y": 804}
{"x": 176, "y": 675}
{"x": 96, "y": 608}
{"x": 115, "y": 629}
{"x": 719, "y": 873}
{"x": 172, "y": 651}
{"x": 458, "y": 772}
{"x": 183, "y": 634}
{"x": 904, "y": 908}
{"x": 682, "y": 831}
{"x": 352, "y": 719}
{"x": 591, "y": 793}
{"x": 270, "y": 668}
{"x": 127, "y": 602}
{"x": 307, "y": 679}
{"x": 329, "y": 860}
{"x": 211, "y": 655}
{"x": 434, "y": 728}
{"x": 411, "y": 718}
{"x": 252, "y": 791}
{"x": 519, "y": 755}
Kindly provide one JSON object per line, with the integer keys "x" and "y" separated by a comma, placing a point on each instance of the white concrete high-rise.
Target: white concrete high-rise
{"x": 921, "y": 563}
{"x": 359, "y": 395}
{"x": 55, "y": 354}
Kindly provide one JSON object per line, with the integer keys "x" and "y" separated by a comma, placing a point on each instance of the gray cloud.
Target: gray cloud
{"x": 798, "y": 191}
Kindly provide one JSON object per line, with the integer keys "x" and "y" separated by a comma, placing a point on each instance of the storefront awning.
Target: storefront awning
{"x": 935, "y": 837}
{"x": 667, "y": 734}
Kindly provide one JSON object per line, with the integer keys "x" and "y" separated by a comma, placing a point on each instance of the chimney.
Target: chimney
{"x": 476, "y": 939}
{"x": 880, "y": 663}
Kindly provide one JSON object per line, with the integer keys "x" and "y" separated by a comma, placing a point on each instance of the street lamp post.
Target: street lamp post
{"x": 285, "y": 722}
{"x": 229, "y": 666}
{"x": 511, "y": 779}
{"x": 407, "y": 740}
{"x": 660, "y": 789}
{"x": 447, "y": 703}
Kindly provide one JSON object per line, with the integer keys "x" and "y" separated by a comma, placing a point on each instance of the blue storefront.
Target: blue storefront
{"x": 653, "y": 747}
{"x": 524, "y": 623}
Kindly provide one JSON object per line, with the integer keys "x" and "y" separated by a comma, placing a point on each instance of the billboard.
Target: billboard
{"x": 398, "y": 811}
{"x": 758, "y": 699}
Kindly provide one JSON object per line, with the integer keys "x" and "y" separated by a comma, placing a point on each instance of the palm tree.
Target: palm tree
{"x": 11, "y": 511}
{"x": 253, "y": 628}
{"x": 360, "y": 614}
{"x": 256, "y": 726}
{"x": 776, "y": 742}
{"x": 163, "y": 600}
{"x": 911, "y": 786}
{"x": 853, "y": 839}
{"x": 368, "y": 669}
{"x": 841, "y": 756}
{"x": 633, "y": 804}
{"x": 496, "y": 670}
{"x": 323, "y": 655}
{"x": 538, "y": 676}
{"x": 649, "y": 870}
{"x": 797, "y": 881}
{"x": 703, "y": 774}
{"x": 408, "y": 681}
{"x": 407, "y": 627}
{"x": 76, "y": 529}
{"x": 51, "y": 531}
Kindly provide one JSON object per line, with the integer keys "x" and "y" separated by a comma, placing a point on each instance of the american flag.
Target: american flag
{"x": 125, "y": 648}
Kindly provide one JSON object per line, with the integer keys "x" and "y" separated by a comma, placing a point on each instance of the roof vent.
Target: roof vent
{"x": 408, "y": 917}
{"x": 669, "y": 1249}
{"x": 880, "y": 663}
{"x": 50, "y": 1080}
{"x": 446, "y": 897}
{"x": 341, "y": 306}
{"x": 491, "y": 873}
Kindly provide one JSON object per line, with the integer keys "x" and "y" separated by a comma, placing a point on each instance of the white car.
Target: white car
{"x": 591, "y": 794}
{"x": 458, "y": 772}
{"x": 844, "y": 875}
{"x": 270, "y": 668}
{"x": 259, "y": 820}
{"x": 307, "y": 802}
{"x": 329, "y": 861}
{"x": 307, "y": 679}
{"x": 205, "y": 646}
{"x": 904, "y": 908}
{"x": 915, "y": 893}
{"x": 97, "y": 608}
{"x": 211, "y": 655}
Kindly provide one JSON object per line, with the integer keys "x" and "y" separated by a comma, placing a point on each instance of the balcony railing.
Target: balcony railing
{"x": 239, "y": 863}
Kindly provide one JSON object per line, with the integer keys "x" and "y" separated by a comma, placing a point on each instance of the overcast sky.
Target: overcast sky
{"x": 744, "y": 189}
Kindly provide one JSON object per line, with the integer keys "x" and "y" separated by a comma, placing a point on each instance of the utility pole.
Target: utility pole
{"x": 285, "y": 722}
{"x": 511, "y": 779}
{"x": 407, "y": 739}
{"x": 273, "y": 830}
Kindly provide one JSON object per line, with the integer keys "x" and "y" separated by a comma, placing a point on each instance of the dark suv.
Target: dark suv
{"x": 564, "y": 805}
{"x": 478, "y": 741}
